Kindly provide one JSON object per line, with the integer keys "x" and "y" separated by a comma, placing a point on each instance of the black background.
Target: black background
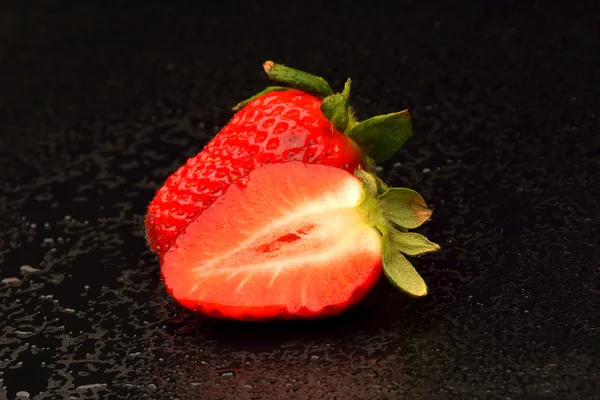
{"x": 99, "y": 103}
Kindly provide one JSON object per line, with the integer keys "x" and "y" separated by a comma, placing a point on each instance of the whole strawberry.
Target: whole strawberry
{"x": 303, "y": 122}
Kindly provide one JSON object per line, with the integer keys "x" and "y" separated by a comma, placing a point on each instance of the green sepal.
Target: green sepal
{"x": 400, "y": 271}
{"x": 381, "y": 136}
{"x": 298, "y": 79}
{"x": 369, "y": 182}
{"x": 404, "y": 207}
{"x": 367, "y": 163}
{"x": 411, "y": 243}
{"x": 268, "y": 89}
{"x": 390, "y": 213}
{"x": 335, "y": 108}
{"x": 352, "y": 120}
{"x": 382, "y": 187}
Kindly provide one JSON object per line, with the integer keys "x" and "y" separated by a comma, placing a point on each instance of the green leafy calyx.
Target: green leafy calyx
{"x": 392, "y": 211}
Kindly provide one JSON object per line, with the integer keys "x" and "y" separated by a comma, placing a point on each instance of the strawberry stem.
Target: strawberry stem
{"x": 298, "y": 79}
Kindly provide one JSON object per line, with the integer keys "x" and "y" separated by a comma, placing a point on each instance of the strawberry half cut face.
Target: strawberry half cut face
{"x": 289, "y": 241}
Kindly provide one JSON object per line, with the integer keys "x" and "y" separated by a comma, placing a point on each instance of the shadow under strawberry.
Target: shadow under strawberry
{"x": 384, "y": 307}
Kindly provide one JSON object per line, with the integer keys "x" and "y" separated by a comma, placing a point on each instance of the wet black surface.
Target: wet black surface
{"x": 99, "y": 104}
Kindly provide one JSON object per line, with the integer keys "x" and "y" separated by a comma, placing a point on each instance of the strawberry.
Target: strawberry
{"x": 303, "y": 122}
{"x": 296, "y": 240}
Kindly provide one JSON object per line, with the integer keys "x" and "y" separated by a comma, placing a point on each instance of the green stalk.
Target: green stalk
{"x": 297, "y": 79}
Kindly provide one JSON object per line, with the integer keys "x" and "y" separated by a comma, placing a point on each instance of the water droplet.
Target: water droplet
{"x": 91, "y": 386}
{"x": 28, "y": 269}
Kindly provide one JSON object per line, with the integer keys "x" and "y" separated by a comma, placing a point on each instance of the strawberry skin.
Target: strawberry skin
{"x": 288, "y": 241}
{"x": 276, "y": 127}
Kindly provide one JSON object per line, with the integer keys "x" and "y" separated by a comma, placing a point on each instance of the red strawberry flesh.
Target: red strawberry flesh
{"x": 288, "y": 241}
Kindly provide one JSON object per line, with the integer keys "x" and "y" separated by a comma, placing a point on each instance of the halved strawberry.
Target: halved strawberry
{"x": 296, "y": 240}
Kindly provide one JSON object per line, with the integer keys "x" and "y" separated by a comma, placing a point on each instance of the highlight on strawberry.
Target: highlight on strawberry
{"x": 282, "y": 215}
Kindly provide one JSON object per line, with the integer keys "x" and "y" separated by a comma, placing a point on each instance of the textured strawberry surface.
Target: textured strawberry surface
{"x": 290, "y": 241}
{"x": 274, "y": 128}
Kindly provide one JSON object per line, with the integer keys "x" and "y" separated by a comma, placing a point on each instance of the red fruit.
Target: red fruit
{"x": 290, "y": 241}
{"x": 294, "y": 240}
{"x": 276, "y": 127}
